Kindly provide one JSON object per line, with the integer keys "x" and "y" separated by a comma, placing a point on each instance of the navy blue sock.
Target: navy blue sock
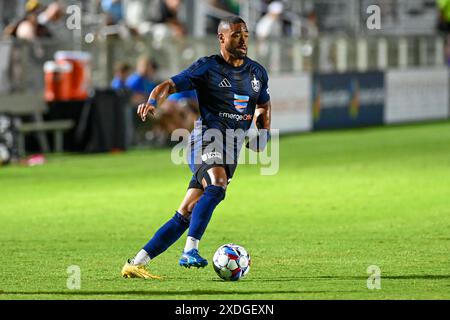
{"x": 203, "y": 210}
{"x": 170, "y": 232}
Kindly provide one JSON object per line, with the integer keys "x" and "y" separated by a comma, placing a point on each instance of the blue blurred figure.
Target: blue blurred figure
{"x": 141, "y": 82}
{"x": 183, "y": 97}
{"x": 122, "y": 71}
{"x": 114, "y": 10}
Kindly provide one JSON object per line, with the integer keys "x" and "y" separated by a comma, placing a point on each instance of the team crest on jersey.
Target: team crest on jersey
{"x": 256, "y": 84}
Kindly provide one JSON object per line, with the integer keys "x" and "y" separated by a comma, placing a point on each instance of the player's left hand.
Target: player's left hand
{"x": 259, "y": 142}
{"x": 144, "y": 109}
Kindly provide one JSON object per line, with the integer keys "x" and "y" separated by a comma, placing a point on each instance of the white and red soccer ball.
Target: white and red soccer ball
{"x": 231, "y": 262}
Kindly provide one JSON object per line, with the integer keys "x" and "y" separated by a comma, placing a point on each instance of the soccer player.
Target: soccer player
{"x": 232, "y": 91}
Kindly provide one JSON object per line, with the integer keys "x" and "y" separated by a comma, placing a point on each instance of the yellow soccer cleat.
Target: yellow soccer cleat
{"x": 137, "y": 271}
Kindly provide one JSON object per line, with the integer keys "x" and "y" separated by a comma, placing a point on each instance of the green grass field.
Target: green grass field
{"x": 342, "y": 201}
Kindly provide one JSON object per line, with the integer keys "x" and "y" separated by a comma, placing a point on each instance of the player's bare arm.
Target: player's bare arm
{"x": 262, "y": 119}
{"x": 157, "y": 96}
{"x": 263, "y": 116}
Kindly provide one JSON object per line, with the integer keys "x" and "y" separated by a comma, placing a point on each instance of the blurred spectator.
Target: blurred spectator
{"x": 122, "y": 71}
{"x": 52, "y": 13}
{"x": 114, "y": 11}
{"x": 279, "y": 20}
{"x": 270, "y": 25}
{"x": 167, "y": 20}
{"x": 140, "y": 84}
{"x": 37, "y": 23}
{"x": 142, "y": 81}
{"x": 32, "y": 25}
{"x": 136, "y": 15}
{"x": 310, "y": 26}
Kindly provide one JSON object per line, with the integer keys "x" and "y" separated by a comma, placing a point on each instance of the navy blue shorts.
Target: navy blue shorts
{"x": 200, "y": 161}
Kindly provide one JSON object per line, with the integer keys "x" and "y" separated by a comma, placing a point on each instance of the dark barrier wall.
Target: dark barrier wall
{"x": 60, "y": 110}
{"x": 347, "y": 100}
{"x": 100, "y": 121}
{"x": 107, "y": 121}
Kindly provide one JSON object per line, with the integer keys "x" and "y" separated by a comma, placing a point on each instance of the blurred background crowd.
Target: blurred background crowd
{"x": 126, "y": 47}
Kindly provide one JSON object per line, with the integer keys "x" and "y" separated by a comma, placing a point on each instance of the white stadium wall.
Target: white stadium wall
{"x": 416, "y": 95}
{"x": 290, "y": 97}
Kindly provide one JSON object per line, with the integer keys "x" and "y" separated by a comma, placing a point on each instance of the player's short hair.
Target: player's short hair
{"x": 228, "y": 21}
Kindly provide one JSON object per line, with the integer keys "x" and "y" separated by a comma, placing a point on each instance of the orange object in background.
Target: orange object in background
{"x": 64, "y": 85}
{"x": 57, "y": 78}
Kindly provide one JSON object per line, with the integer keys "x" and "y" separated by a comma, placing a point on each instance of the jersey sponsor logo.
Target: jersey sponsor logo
{"x": 225, "y": 83}
{"x": 240, "y": 102}
{"x": 211, "y": 155}
{"x": 256, "y": 84}
{"x": 235, "y": 116}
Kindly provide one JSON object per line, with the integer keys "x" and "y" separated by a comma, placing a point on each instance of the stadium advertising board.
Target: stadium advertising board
{"x": 290, "y": 96}
{"x": 347, "y": 100}
{"x": 416, "y": 94}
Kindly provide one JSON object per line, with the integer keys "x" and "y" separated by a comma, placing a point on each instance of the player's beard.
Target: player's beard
{"x": 236, "y": 53}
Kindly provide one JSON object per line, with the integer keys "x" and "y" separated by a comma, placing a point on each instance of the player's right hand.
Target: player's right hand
{"x": 144, "y": 109}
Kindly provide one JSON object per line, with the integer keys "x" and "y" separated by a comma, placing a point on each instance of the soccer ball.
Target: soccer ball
{"x": 231, "y": 262}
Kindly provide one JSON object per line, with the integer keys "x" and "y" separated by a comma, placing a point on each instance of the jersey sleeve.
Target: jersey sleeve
{"x": 192, "y": 77}
{"x": 264, "y": 96}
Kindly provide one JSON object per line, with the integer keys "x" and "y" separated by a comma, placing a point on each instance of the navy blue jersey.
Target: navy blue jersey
{"x": 227, "y": 95}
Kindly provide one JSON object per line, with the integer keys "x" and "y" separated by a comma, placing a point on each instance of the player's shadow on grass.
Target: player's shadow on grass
{"x": 167, "y": 293}
{"x": 400, "y": 277}
{"x": 383, "y": 277}
{"x": 418, "y": 276}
